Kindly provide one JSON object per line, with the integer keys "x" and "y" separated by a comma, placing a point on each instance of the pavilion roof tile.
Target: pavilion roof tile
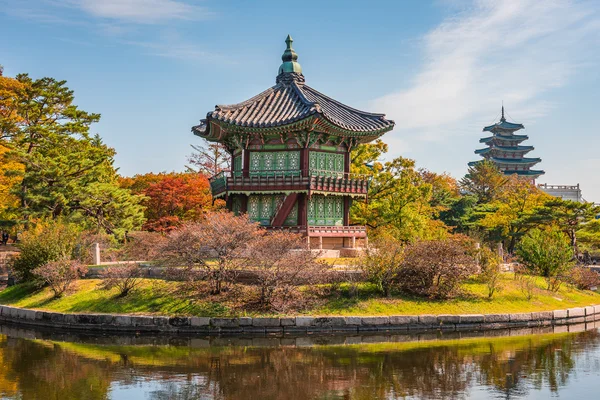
{"x": 287, "y": 102}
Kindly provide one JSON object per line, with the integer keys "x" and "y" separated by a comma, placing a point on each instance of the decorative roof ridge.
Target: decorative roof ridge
{"x": 366, "y": 113}
{"x": 312, "y": 104}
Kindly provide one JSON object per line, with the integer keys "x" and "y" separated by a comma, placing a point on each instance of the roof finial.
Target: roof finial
{"x": 290, "y": 59}
{"x": 502, "y": 118}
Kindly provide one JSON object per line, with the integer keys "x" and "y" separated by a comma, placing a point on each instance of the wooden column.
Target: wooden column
{"x": 302, "y": 210}
{"x": 347, "y": 204}
{"x": 245, "y": 163}
{"x": 347, "y": 161}
{"x": 244, "y": 207}
{"x": 304, "y": 161}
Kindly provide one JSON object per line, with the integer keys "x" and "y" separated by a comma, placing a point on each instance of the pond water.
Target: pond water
{"x": 36, "y": 365}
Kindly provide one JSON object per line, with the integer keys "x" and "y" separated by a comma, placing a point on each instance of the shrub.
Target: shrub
{"x": 584, "y": 278}
{"x": 217, "y": 245}
{"x": 526, "y": 280}
{"x": 143, "y": 246}
{"x": 59, "y": 275}
{"x": 124, "y": 277}
{"x": 435, "y": 268}
{"x": 43, "y": 243}
{"x": 281, "y": 263}
{"x": 382, "y": 262}
{"x": 489, "y": 263}
{"x": 548, "y": 253}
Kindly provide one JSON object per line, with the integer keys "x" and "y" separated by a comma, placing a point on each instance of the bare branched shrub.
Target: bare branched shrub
{"x": 584, "y": 278}
{"x": 217, "y": 246}
{"x": 281, "y": 264}
{"x": 143, "y": 246}
{"x": 489, "y": 263}
{"x": 526, "y": 280}
{"x": 381, "y": 263}
{"x": 436, "y": 268}
{"x": 124, "y": 277}
{"x": 60, "y": 275}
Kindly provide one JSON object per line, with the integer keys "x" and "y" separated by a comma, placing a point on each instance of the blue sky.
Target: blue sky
{"x": 440, "y": 69}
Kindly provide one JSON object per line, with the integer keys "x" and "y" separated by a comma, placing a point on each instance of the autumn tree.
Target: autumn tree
{"x": 11, "y": 91}
{"x": 209, "y": 158}
{"x": 172, "y": 198}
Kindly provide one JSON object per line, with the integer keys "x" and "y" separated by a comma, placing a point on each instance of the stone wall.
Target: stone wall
{"x": 300, "y": 325}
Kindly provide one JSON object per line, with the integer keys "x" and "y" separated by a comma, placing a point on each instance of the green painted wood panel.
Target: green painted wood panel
{"x": 237, "y": 166}
{"x": 324, "y": 164}
{"x": 262, "y": 208}
{"x": 271, "y": 162}
{"x": 326, "y": 210}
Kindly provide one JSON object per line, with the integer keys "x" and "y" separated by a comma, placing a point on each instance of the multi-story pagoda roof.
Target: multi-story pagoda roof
{"x": 292, "y": 105}
{"x": 505, "y": 151}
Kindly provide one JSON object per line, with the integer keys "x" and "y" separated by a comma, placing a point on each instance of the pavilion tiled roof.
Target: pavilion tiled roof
{"x": 285, "y": 103}
{"x": 292, "y": 100}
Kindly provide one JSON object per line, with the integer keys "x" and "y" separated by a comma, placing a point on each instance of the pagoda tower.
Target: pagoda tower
{"x": 504, "y": 149}
{"x": 290, "y": 147}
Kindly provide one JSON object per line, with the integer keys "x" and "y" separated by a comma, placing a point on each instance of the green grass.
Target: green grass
{"x": 167, "y": 298}
{"x": 152, "y": 297}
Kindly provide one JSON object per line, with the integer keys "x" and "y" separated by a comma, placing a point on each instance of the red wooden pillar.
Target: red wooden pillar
{"x": 244, "y": 207}
{"x": 245, "y": 163}
{"x": 304, "y": 161}
{"x": 347, "y": 204}
{"x": 302, "y": 210}
{"x": 347, "y": 161}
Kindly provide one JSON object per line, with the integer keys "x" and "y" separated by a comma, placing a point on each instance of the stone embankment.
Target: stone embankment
{"x": 296, "y": 325}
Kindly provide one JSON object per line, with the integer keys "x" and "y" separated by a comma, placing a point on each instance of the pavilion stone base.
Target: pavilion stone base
{"x": 337, "y": 243}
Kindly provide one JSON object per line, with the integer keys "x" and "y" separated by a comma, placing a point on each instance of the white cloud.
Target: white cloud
{"x": 510, "y": 50}
{"x": 141, "y": 11}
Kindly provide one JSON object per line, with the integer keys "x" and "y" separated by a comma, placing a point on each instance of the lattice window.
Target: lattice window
{"x": 268, "y": 161}
{"x": 254, "y": 207}
{"x": 294, "y": 160}
{"x": 271, "y": 162}
{"x": 326, "y": 210}
{"x": 281, "y": 161}
{"x": 255, "y": 161}
{"x": 325, "y": 163}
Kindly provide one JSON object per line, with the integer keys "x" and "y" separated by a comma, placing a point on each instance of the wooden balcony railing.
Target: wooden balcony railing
{"x": 325, "y": 231}
{"x": 292, "y": 180}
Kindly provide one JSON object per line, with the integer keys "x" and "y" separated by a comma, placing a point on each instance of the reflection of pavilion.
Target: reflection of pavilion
{"x": 291, "y": 147}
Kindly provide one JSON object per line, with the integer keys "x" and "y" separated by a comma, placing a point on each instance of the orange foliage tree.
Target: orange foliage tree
{"x": 172, "y": 198}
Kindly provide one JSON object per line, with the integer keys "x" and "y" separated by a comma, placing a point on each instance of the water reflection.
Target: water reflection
{"x": 512, "y": 367}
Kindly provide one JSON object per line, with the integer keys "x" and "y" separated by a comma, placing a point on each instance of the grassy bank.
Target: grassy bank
{"x": 170, "y": 298}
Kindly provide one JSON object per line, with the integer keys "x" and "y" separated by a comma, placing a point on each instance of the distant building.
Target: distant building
{"x": 565, "y": 192}
{"x": 505, "y": 150}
